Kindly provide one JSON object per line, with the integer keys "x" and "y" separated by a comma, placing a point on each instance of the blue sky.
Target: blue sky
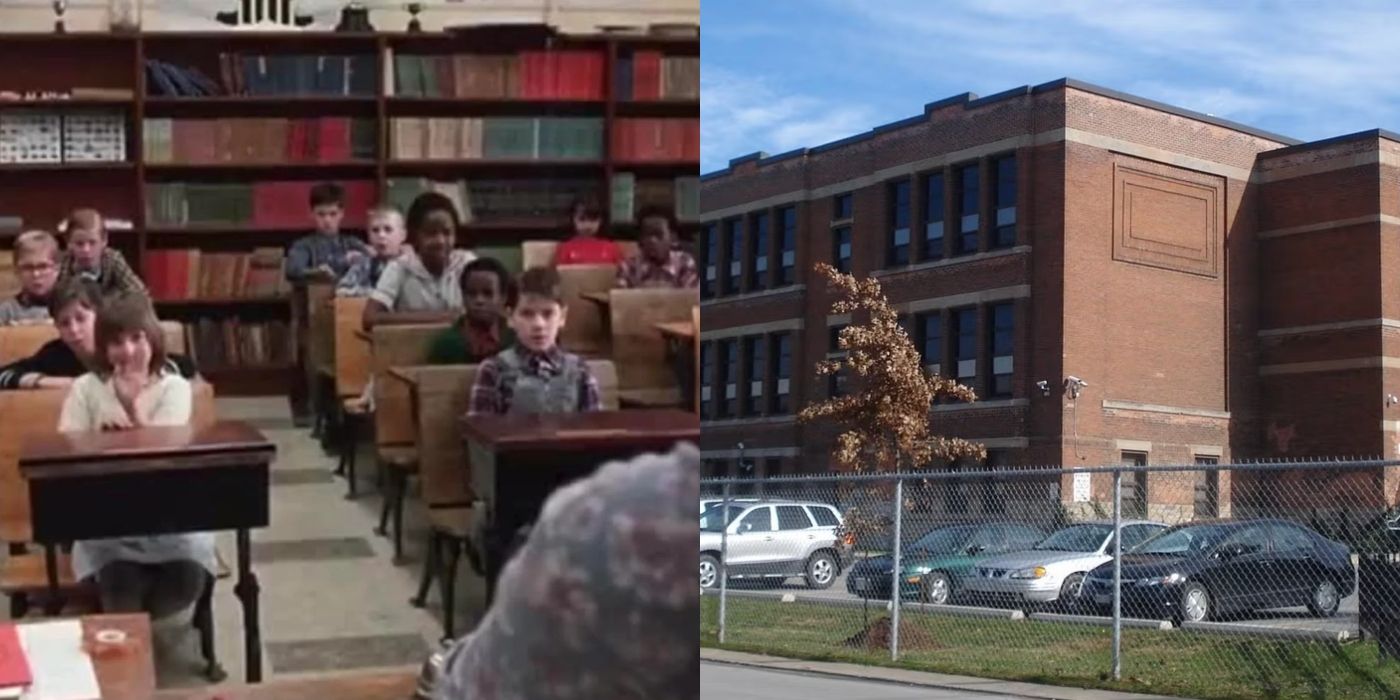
{"x": 784, "y": 74}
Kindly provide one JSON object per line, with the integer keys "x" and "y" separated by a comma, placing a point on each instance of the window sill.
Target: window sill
{"x": 728, "y": 422}
{"x": 980, "y": 405}
{"x": 749, "y": 296}
{"x": 956, "y": 260}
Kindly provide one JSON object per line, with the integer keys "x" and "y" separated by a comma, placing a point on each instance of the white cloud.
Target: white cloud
{"x": 741, "y": 114}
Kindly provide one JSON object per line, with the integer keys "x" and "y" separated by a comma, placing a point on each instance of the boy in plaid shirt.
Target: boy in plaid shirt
{"x": 88, "y": 257}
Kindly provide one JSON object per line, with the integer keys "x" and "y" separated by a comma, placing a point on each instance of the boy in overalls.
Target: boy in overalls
{"x": 535, "y": 375}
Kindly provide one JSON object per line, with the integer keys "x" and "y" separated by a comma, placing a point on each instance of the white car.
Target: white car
{"x": 705, "y": 503}
{"x": 773, "y": 540}
{"x": 1054, "y": 569}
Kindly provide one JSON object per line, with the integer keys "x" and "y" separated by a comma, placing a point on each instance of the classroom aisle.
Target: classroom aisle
{"x": 331, "y": 597}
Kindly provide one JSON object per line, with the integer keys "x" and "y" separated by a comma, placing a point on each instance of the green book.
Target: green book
{"x": 427, "y": 75}
{"x": 364, "y": 139}
{"x": 402, "y": 191}
{"x": 687, "y": 198}
{"x": 624, "y": 189}
{"x": 510, "y": 138}
{"x": 408, "y": 76}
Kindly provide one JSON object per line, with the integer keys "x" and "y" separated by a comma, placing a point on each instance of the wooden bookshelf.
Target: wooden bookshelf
{"x": 42, "y": 193}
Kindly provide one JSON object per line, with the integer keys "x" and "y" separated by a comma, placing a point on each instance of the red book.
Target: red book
{"x": 14, "y": 666}
{"x": 646, "y": 75}
{"x": 530, "y": 74}
{"x": 333, "y": 140}
{"x": 151, "y": 273}
{"x": 359, "y": 197}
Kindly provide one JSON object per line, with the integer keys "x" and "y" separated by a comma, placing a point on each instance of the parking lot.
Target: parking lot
{"x": 1292, "y": 619}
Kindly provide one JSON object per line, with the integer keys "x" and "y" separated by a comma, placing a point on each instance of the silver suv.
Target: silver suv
{"x": 774, "y": 540}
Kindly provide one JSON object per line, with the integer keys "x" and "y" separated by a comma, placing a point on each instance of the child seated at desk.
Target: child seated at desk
{"x": 131, "y": 386}
{"x": 74, "y": 306}
{"x": 586, "y": 247}
{"x": 89, "y": 258}
{"x": 482, "y": 330}
{"x": 36, "y": 260}
{"x": 535, "y": 375}
{"x": 386, "y": 241}
{"x": 659, "y": 263}
{"x": 423, "y": 284}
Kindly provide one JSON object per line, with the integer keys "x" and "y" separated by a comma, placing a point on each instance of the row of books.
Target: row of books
{"x": 69, "y": 136}
{"x": 512, "y": 138}
{"x": 529, "y": 75}
{"x": 649, "y": 75}
{"x": 484, "y": 201}
{"x": 681, "y": 196}
{"x": 217, "y": 344}
{"x": 258, "y": 205}
{"x": 173, "y": 274}
{"x": 656, "y": 139}
{"x": 294, "y": 75}
{"x": 258, "y": 140}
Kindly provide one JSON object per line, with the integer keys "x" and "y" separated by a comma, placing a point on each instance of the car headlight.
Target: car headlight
{"x": 1168, "y": 580}
{"x": 1031, "y": 573}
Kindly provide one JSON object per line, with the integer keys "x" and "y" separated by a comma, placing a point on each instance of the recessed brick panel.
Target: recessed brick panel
{"x": 1166, "y": 217}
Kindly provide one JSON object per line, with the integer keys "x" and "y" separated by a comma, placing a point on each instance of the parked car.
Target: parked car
{"x": 932, "y": 567}
{"x": 1053, "y": 571}
{"x": 1201, "y": 570}
{"x": 774, "y": 540}
{"x": 705, "y": 503}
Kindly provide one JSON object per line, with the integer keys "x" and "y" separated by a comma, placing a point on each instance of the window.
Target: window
{"x": 1002, "y": 334}
{"x": 781, "y": 372}
{"x": 1291, "y": 540}
{"x": 758, "y": 251}
{"x": 824, "y": 516}
{"x": 1207, "y": 502}
{"x": 835, "y": 383}
{"x": 1004, "y": 236}
{"x": 1134, "y": 535}
{"x": 787, "y": 245}
{"x": 754, "y": 369}
{"x": 965, "y": 346}
{"x": 929, "y": 335}
{"x": 734, "y": 246}
{"x": 1020, "y": 537}
{"x": 968, "y": 200}
{"x": 833, "y": 339}
{"x": 758, "y": 520}
{"x": 933, "y": 216}
{"x": 709, "y": 259}
{"x": 793, "y": 518}
{"x": 842, "y": 207}
{"x": 729, "y": 364}
{"x": 898, "y": 251}
{"x": 1134, "y": 486}
{"x": 707, "y": 378}
{"x": 841, "y": 248}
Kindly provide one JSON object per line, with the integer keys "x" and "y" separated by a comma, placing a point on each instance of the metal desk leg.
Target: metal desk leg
{"x": 53, "y": 605}
{"x": 247, "y": 592}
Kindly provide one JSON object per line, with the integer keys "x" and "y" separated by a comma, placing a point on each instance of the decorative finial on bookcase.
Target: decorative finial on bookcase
{"x": 413, "y": 9}
{"x": 59, "y": 6}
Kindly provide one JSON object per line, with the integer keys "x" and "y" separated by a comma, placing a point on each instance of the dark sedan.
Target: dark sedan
{"x": 1204, "y": 570}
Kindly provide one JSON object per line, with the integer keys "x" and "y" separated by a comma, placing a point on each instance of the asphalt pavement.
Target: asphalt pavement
{"x": 727, "y": 682}
{"x": 1287, "y": 618}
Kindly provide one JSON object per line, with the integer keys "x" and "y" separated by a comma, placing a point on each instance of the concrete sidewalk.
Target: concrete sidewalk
{"x": 921, "y": 678}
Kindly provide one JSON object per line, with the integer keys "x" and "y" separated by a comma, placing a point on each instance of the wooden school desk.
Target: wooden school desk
{"x": 130, "y": 675}
{"x": 369, "y": 684}
{"x": 518, "y": 461}
{"x": 680, "y": 345}
{"x": 169, "y": 479}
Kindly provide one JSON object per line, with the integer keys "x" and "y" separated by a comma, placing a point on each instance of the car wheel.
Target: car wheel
{"x": 1070, "y": 592}
{"x": 937, "y": 588}
{"x": 1195, "y": 603}
{"x": 821, "y": 570}
{"x": 709, "y": 571}
{"x": 1325, "y": 599}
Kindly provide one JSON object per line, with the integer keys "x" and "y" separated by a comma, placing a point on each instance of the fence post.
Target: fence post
{"x": 723, "y": 561}
{"x": 1117, "y": 574}
{"x": 896, "y": 573}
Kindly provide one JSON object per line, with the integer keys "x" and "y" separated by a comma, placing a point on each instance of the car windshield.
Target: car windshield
{"x": 1078, "y": 538}
{"x": 942, "y": 541}
{"x": 1183, "y": 541}
{"x": 712, "y": 520}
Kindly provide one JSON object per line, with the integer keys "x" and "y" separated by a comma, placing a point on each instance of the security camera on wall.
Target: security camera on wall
{"x": 1044, "y": 387}
{"x": 1074, "y": 385}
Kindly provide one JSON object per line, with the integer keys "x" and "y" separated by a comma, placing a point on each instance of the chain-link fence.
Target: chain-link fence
{"x": 1242, "y": 580}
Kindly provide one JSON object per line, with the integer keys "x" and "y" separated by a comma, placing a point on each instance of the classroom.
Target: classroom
{"x": 307, "y": 309}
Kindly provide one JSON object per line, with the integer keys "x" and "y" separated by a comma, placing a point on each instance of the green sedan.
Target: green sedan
{"x": 933, "y": 566}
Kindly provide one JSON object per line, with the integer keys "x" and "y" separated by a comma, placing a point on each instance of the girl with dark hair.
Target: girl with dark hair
{"x": 587, "y": 246}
